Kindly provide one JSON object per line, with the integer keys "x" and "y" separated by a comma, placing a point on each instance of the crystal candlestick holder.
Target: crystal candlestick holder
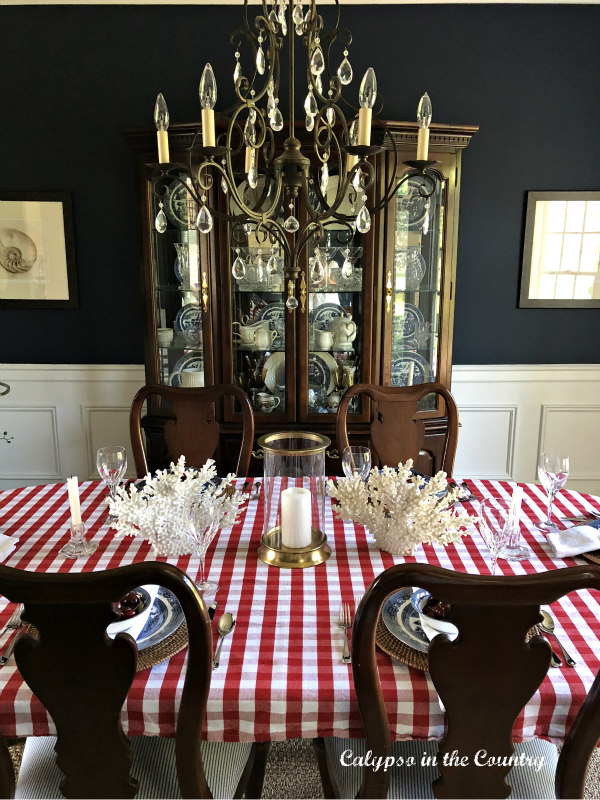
{"x": 78, "y": 546}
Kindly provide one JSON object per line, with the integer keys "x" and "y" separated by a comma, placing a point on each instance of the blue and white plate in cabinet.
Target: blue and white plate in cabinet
{"x": 321, "y": 370}
{"x": 166, "y": 616}
{"x": 412, "y": 320}
{"x": 190, "y": 362}
{"x": 188, "y": 316}
{"x": 272, "y": 312}
{"x": 323, "y": 314}
{"x": 414, "y": 204}
{"x": 403, "y": 621}
{"x": 401, "y": 368}
{"x": 176, "y": 204}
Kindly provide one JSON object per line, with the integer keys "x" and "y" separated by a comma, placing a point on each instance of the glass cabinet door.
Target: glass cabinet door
{"x": 178, "y": 290}
{"x": 258, "y": 319}
{"x": 334, "y": 320}
{"x": 414, "y": 284}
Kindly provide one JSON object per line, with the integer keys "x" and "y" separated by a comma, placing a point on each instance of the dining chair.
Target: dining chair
{"x": 82, "y": 677}
{"x": 397, "y": 433}
{"x": 191, "y": 428}
{"x": 483, "y": 678}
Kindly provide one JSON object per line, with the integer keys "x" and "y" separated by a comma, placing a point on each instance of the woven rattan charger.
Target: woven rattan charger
{"x": 150, "y": 656}
{"x": 387, "y": 642}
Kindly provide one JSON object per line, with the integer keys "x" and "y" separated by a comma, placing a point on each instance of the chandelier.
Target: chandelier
{"x": 264, "y": 183}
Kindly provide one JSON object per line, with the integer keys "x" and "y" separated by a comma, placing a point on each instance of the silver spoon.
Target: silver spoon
{"x": 225, "y": 625}
{"x": 547, "y": 625}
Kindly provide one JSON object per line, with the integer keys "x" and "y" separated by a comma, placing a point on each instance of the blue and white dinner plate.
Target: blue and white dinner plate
{"x": 401, "y": 369}
{"x": 403, "y": 621}
{"x": 190, "y": 313}
{"x": 176, "y": 204}
{"x": 191, "y": 362}
{"x": 323, "y": 314}
{"x": 321, "y": 368}
{"x": 272, "y": 312}
{"x": 166, "y": 616}
{"x": 411, "y": 319}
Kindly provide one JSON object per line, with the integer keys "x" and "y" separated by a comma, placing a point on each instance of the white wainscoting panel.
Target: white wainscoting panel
{"x": 486, "y": 438}
{"x": 554, "y": 406}
{"x": 574, "y": 429}
{"x": 58, "y": 415}
{"x": 508, "y": 413}
{"x": 31, "y": 448}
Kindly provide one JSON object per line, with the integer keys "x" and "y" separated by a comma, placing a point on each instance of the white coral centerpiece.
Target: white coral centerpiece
{"x": 402, "y": 510}
{"x": 160, "y": 510}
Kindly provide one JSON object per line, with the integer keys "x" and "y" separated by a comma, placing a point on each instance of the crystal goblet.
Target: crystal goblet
{"x": 494, "y": 527}
{"x": 553, "y": 471}
{"x": 202, "y": 527}
{"x": 356, "y": 462}
{"x": 111, "y": 463}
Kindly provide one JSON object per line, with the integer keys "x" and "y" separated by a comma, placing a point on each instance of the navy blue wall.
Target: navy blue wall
{"x": 72, "y": 77}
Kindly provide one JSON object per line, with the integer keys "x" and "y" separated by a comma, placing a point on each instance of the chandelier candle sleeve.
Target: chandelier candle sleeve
{"x": 424, "y": 112}
{"x": 73, "y": 491}
{"x": 161, "y": 119}
{"x": 296, "y": 517}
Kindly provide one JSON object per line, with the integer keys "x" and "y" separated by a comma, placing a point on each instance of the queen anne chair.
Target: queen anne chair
{"x": 191, "y": 428}
{"x": 483, "y": 678}
{"x": 397, "y": 431}
{"x": 82, "y": 678}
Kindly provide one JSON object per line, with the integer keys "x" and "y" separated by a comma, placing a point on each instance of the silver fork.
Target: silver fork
{"x": 344, "y": 622}
{"x": 9, "y": 650}
{"x": 15, "y": 620}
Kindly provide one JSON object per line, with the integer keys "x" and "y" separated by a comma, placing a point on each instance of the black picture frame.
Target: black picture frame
{"x": 37, "y": 251}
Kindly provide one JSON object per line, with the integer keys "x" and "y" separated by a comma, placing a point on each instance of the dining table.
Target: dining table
{"x": 281, "y": 674}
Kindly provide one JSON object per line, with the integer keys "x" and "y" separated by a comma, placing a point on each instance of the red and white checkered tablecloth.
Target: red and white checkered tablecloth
{"x": 281, "y": 676}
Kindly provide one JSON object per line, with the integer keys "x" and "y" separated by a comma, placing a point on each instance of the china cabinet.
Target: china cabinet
{"x": 374, "y": 307}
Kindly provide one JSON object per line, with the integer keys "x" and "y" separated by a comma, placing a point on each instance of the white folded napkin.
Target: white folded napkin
{"x": 430, "y": 631}
{"x": 7, "y": 545}
{"x": 575, "y": 540}
{"x": 136, "y": 623}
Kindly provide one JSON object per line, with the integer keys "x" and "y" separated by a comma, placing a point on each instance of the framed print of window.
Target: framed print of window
{"x": 561, "y": 251}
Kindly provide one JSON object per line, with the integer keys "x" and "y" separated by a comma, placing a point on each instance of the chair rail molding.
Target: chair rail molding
{"x": 508, "y": 413}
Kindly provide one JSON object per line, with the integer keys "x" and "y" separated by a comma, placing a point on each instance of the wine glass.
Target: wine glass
{"x": 111, "y": 463}
{"x": 553, "y": 471}
{"x": 202, "y": 527}
{"x": 494, "y": 527}
{"x": 356, "y": 462}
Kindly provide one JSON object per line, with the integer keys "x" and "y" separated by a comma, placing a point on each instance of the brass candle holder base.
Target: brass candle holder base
{"x": 272, "y": 552}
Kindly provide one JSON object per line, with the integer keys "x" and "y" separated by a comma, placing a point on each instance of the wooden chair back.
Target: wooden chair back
{"x": 193, "y": 429}
{"x": 483, "y": 678}
{"x": 82, "y": 676}
{"x": 397, "y": 431}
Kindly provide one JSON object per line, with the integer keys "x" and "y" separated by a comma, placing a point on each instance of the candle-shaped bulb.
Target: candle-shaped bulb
{"x": 423, "y": 118}
{"x": 208, "y": 88}
{"x": 424, "y": 111}
{"x": 368, "y": 89}
{"x": 161, "y": 118}
{"x": 161, "y": 113}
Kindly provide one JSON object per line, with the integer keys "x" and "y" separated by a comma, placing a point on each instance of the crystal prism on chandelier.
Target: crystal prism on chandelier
{"x": 265, "y": 177}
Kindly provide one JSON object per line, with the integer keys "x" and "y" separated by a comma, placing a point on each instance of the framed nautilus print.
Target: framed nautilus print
{"x": 37, "y": 252}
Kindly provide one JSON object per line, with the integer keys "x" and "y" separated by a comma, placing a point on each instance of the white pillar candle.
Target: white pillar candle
{"x": 296, "y": 517}
{"x": 73, "y": 490}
